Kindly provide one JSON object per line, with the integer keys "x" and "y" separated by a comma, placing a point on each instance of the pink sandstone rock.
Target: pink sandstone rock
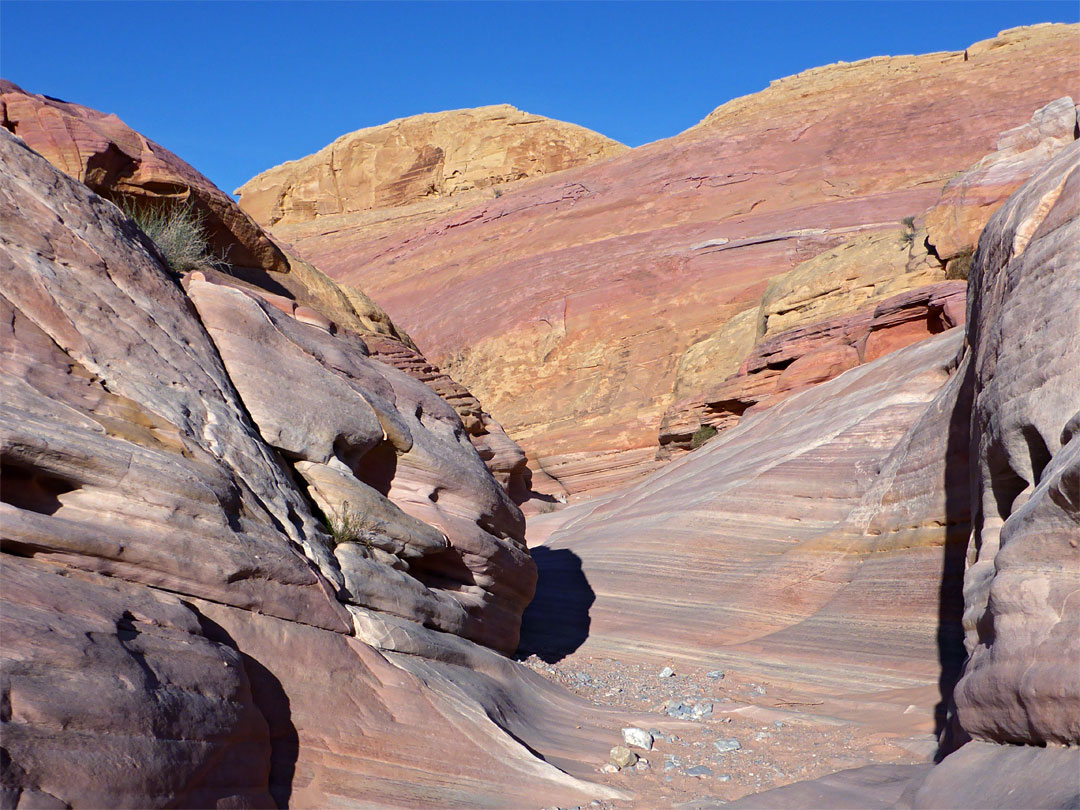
{"x": 120, "y": 164}
{"x": 117, "y": 162}
{"x": 970, "y": 199}
{"x": 565, "y": 303}
{"x": 170, "y": 599}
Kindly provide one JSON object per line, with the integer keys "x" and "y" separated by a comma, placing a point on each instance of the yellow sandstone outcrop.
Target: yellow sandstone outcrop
{"x": 435, "y": 155}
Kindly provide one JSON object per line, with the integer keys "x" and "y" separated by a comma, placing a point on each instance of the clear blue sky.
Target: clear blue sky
{"x": 235, "y": 88}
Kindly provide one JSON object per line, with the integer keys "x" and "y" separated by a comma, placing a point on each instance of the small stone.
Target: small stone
{"x": 723, "y": 746}
{"x": 641, "y": 765}
{"x": 622, "y": 757}
{"x": 699, "y": 770}
{"x": 701, "y": 710}
{"x": 723, "y": 778}
{"x": 715, "y": 675}
{"x": 778, "y": 723}
{"x": 666, "y": 672}
{"x": 637, "y": 738}
{"x": 607, "y": 767}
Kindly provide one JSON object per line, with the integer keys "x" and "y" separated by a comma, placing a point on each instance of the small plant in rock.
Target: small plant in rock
{"x": 701, "y": 435}
{"x": 178, "y": 230}
{"x": 347, "y": 526}
{"x": 907, "y": 236}
{"x": 960, "y": 266}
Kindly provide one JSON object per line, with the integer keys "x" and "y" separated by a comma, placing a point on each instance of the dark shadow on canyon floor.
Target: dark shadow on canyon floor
{"x": 950, "y": 632}
{"x": 557, "y": 620}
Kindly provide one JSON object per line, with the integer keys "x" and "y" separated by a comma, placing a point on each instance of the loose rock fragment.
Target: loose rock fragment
{"x": 638, "y": 738}
{"x": 622, "y": 757}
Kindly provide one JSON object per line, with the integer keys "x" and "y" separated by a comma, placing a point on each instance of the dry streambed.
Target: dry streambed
{"x": 718, "y": 735}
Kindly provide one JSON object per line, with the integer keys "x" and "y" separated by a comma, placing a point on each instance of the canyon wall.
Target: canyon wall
{"x": 856, "y": 542}
{"x": 134, "y": 172}
{"x": 567, "y": 302}
{"x": 245, "y": 562}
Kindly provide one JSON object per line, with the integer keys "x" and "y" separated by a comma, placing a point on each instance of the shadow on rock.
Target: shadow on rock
{"x": 273, "y": 703}
{"x": 557, "y": 620}
{"x": 950, "y": 633}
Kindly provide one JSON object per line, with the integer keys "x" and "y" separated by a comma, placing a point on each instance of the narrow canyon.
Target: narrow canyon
{"x": 481, "y": 461}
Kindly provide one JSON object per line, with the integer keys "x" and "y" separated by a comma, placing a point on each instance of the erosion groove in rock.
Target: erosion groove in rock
{"x": 565, "y": 303}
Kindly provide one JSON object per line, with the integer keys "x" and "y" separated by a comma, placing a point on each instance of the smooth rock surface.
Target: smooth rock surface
{"x": 366, "y": 433}
{"x": 824, "y": 525}
{"x": 1022, "y": 681}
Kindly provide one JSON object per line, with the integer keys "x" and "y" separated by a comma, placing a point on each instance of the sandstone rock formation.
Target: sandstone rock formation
{"x": 114, "y": 160}
{"x": 798, "y": 358}
{"x": 123, "y": 166}
{"x": 843, "y": 281}
{"x": 566, "y": 303}
{"x": 180, "y": 629}
{"x": 421, "y": 158}
{"x": 970, "y": 199}
{"x": 864, "y": 541}
{"x": 812, "y": 533}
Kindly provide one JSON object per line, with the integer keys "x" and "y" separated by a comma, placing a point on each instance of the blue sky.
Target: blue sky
{"x": 235, "y": 88}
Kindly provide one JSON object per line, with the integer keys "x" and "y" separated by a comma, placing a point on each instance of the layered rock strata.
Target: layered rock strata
{"x": 787, "y": 347}
{"x": 172, "y": 597}
{"x": 795, "y": 359}
{"x": 566, "y": 303}
{"x": 123, "y": 166}
{"x": 963, "y": 470}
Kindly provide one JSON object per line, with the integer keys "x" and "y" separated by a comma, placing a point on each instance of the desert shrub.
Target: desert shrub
{"x": 959, "y": 267}
{"x": 701, "y": 435}
{"x": 178, "y": 230}
{"x": 907, "y": 236}
{"x": 346, "y": 526}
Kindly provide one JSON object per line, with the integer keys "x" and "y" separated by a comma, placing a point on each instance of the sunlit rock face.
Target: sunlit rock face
{"x": 120, "y": 164}
{"x": 566, "y": 303}
{"x": 424, "y": 159}
{"x": 112, "y": 159}
{"x": 173, "y": 450}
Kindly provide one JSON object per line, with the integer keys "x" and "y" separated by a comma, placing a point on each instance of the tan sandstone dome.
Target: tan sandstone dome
{"x": 435, "y": 155}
